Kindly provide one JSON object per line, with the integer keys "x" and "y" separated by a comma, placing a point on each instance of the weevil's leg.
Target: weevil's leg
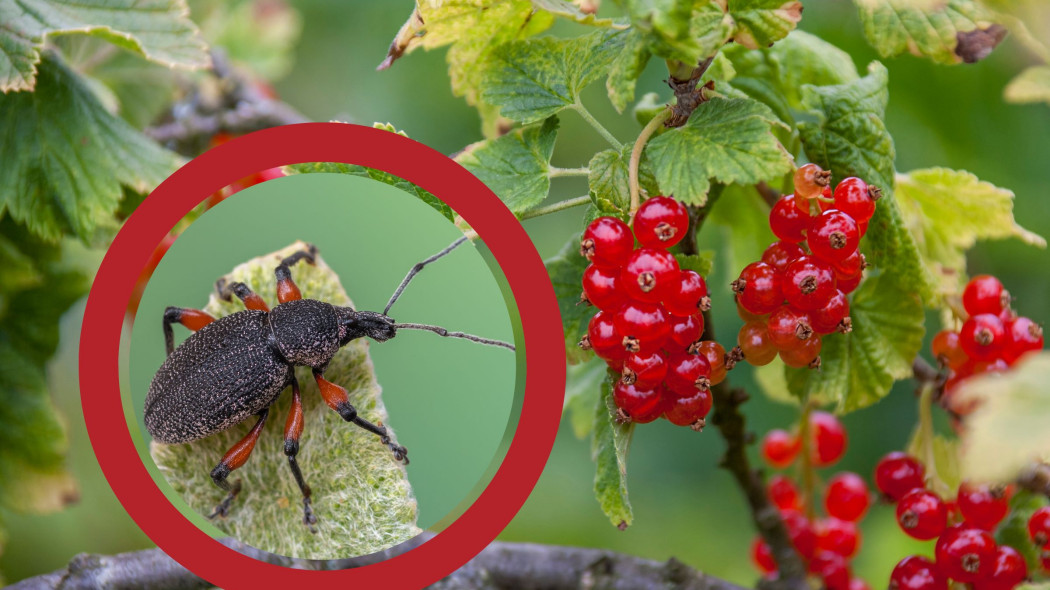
{"x": 233, "y": 459}
{"x": 336, "y": 398}
{"x": 415, "y": 270}
{"x": 293, "y": 429}
{"x": 243, "y": 292}
{"x": 286, "y": 288}
{"x": 194, "y": 319}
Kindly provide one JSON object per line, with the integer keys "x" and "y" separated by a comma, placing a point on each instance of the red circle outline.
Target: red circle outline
{"x": 293, "y": 144}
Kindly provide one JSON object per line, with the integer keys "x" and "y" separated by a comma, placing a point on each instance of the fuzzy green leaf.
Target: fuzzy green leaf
{"x": 66, "y": 158}
{"x": 1013, "y": 530}
{"x": 929, "y": 28}
{"x": 849, "y": 138}
{"x": 948, "y": 211}
{"x": 533, "y": 79}
{"x": 608, "y": 178}
{"x": 702, "y": 263}
{"x": 582, "y": 393}
{"x": 859, "y": 368}
{"x": 1008, "y": 430}
{"x": 626, "y": 68}
{"x": 516, "y": 165}
{"x": 566, "y": 274}
{"x": 368, "y": 504}
{"x": 683, "y": 30}
{"x": 609, "y": 448}
{"x": 159, "y": 30}
{"x": 1031, "y": 85}
{"x": 760, "y": 23}
{"x": 728, "y": 140}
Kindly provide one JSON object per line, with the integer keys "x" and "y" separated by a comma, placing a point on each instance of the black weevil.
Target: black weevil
{"x": 236, "y": 367}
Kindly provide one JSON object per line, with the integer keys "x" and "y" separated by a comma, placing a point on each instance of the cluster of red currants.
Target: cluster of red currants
{"x": 991, "y": 340}
{"x": 826, "y": 544}
{"x": 650, "y": 320}
{"x": 965, "y": 550}
{"x": 797, "y": 292}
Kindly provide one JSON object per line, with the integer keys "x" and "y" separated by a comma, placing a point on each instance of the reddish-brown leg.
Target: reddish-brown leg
{"x": 293, "y": 429}
{"x": 243, "y": 292}
{"x": 233, "y": 459}
{"x": 336, "y": 398}
{"x": 194, "y": 319}
{"x": 286, "y": 288}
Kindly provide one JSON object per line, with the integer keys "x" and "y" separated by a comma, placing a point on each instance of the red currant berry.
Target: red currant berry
{"x": 984, "y": 506}
{"x": 833, "y": 236}
{"x": 833, "y": 317}
{"x": 650, "y": 273}
{"x": 780, "y": 447}
{"x": 837, "y": 536}
{"x": 604, "y": 338}
{"x": 601, "y": 287}
{"x": 783, "y": 493}
{"x": 855, "y": 197}
{"x": 897, "y": 474}
{"x": 946, "y": 348}
{"x": 762, "y": 556}
{"x": 641, "y": 405}
{"x": 1022, "y": 336}
{"x": 788, "y": 327}
{"x": 607, "y": 241}
{"x": 688, "y": 296}
{"x": 645, "y": 369}
{"x": 847, "y": 497}
{"x": 800, "y": 532}
{"x": 686, "y": 330}
{"x": 808, "y": 283}
{"x": 689, "y": 410}
{"x": 1039, "y": 527}
{"x": 922, "y": 515}
{"x": 982, "y": 337}
{"x": 832, "y": 569}
{"x": 780, "y": 254}
{"x": 917, "y": 573}
{"x": 643, "y": 326}
{"x": 966, "y": 554}
{"x": 661, "y": 222}
{"x": 687, "y": 373}
{"x": 811, "y": 180}
{"x": 716, "y": 357}
{"x": 828, "y": 438}
{"x": 848, "y": 286}
{"x": 852, "y": 266}
{"x": 804, "y": 354}
{"x": 858, "y": 584}
{"x": 1010, "y": 571}
{"x": 758, "y": 288}
{"x": 787, "y": 221}
{"x": 985, "y": 294}
{"x": 755, "y": 343}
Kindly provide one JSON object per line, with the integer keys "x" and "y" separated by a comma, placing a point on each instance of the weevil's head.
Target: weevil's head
{"x": 355, "y": 324}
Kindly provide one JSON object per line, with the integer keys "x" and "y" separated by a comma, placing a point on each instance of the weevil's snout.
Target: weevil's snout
{"x": 355, "y": 324}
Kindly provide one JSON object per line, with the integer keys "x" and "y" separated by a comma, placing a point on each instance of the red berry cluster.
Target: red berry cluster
{"x": 826, "y": 544}
{"x": 797, "y": 292}
{"x": 650, "y": 319}
{"x": 965, "y": 551}
{"x": 991, "y": 340}
{"x": 1039, "y": 532}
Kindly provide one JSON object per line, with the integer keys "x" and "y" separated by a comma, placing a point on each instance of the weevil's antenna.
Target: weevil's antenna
{"x": 443, "y": 332}
{"x": 415, "y": 270}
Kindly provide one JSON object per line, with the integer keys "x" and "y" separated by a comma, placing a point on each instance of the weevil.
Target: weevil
{"x": 237, "y": 366}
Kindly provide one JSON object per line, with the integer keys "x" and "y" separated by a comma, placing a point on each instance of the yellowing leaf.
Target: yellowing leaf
{"x": 760, "y": 23}
{"x": 930, "y": 28}
{"x": 1031, "y": 85}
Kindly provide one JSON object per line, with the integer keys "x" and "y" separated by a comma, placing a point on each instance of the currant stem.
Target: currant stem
{"x": 554, "y": 208}
{"x": 587, "y": 116}
{"x": 555, "y": 172}
{"x": 925, "y": 437}
{"x": 636, "y": 156}
{"x": 807, "y": 472}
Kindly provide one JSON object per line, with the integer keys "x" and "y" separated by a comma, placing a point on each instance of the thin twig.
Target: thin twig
{"x": 587, "y": 116}
{"x": 554, "y": 208}
{"x": 555, "y": 172}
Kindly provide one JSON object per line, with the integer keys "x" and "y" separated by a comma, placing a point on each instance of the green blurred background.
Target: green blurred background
{"x": 684, "y": 505}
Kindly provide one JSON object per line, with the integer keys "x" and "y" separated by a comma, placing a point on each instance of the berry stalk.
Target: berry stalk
{"x": 636, "y": 156}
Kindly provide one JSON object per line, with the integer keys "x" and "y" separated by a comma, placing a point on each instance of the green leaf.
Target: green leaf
{"x": 940, "y": 455}
{"x": 533, "y": 79}
{"x": 683, "y": 30}
{"x": 1008, "y": 430}
{"x": 159, "y": 30}
{"x": 516, "y": 165}
{"x": 760, "y": 23}
{"x": 569, "y": 10}
{"x": 728, "y": 140}
{"x": 929, "y": 28}
{"x": 262, "y": 38}
{"x": 368, "y": 503}
{"x": 582, "y": 393}
{"x": 702, "y": 263}
{"x": 1013, "y": 530}
{"x": 849, "y": 138}
{"x": 859, "y": 368}
{"x": 66, "y": 158}
{"x": 609, "y": 448}
{"x": 626, "y": 68}
{"x": 608, "y": 179}
{"x": 139, "y": 90}
{"x": 743, "y": 216}
{"x": 566, "y": 274}
{"x": 1031, "y": 85}
{"x": 948, "y": 211}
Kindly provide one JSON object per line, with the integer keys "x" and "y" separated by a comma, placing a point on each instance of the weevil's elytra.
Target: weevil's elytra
{"x": 236, "y": 367}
